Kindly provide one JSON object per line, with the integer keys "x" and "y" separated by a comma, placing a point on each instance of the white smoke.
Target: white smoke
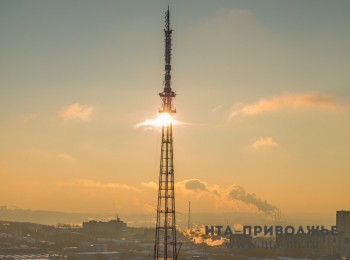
{"x": 234, "y": 193}
{"x": 227, "y": 196}
{"x": 238, "y": 193}
{"x": 198, "y": 236}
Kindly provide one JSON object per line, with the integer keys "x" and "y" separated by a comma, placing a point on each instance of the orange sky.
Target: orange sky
{"x": 262, "y": 104}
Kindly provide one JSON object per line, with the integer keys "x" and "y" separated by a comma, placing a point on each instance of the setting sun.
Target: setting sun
{"x": 162, "y": 119}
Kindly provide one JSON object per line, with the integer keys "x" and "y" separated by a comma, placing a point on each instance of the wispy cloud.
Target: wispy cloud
{"x": 76, "y": 112}
{"x": 235, "y": 17}
{"x": 150, "y": 184}
{"x": 88, "y": 183}
{"x": 193, "y": 185}
{"x": 27, "y": 118}
{"x": 149, "y": 208}
{"x": 289, "y": 101}
{"x": 197, "y": 187}
{"x": 148, "y": 124}
{"x": 217, "y": 108}
{"x": 264, "y": 142}
{"x": 66, "y": 157}
{"x": 158, "y": 121}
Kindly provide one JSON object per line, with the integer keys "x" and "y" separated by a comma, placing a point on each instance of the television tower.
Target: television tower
{"x": 165, "y": 245}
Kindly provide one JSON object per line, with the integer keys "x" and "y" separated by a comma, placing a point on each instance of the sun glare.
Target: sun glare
{"x": 163, "y": 119}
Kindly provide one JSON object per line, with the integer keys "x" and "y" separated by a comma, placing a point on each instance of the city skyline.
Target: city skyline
{"x": 262, "y": 105}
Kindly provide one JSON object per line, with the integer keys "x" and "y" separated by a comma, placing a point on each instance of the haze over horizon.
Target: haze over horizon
{"x": 148, "y": 219}
{"x": 262, "y": 105}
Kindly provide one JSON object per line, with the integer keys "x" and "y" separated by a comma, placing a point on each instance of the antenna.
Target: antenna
{"x": 116, "y": 214}
{"x": 189, "y": 223}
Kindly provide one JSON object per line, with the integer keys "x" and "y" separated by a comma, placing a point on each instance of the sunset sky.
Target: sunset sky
{"x": 263, "y": 104}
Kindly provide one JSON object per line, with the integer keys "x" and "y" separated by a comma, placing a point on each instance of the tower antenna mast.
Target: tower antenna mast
{"x": 165, "y": 245}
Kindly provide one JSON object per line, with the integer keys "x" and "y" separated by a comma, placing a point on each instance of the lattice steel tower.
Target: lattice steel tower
{"x": 165, "y": 245}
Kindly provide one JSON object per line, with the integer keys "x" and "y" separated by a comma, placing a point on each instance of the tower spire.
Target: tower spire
{"x": 165, "y": 245}
{"x": 167, "y": 75}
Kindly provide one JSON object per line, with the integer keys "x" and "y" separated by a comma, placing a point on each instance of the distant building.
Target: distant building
{"x": 343, "y": 238}
{"x": 110, "y": 228}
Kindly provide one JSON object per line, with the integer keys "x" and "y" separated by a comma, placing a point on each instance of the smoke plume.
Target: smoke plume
{"x": 198, "y": 236}
{"x": 238, "y": 193}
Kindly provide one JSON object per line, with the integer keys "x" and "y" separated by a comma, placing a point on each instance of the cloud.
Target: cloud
{"x": 148, "y": 124}
{"x": 187, "y": 186}
{"x": 150, "y": 184}
{"x": 217, "y": 108}
{"x": 196, "y": 185}
{"x": 236, "y": 18}
{"x": 149, "y": 208}
{"x": 157, "y": 122}
{"x": 264, "y": 142}
{"x": 192, "y": 185}
{"x": 76, "y": 112}
{"x": 66, "y": 157}
{"x": 294, "y": 101}
{"x": 238, "y": 193}
{"x": 27, "y": 118}
{"x": 88, "y": 183}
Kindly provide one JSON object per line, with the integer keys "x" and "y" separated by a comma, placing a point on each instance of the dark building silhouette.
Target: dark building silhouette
{"x": 343, "y": 237}
{"x": 110, "y": 228}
